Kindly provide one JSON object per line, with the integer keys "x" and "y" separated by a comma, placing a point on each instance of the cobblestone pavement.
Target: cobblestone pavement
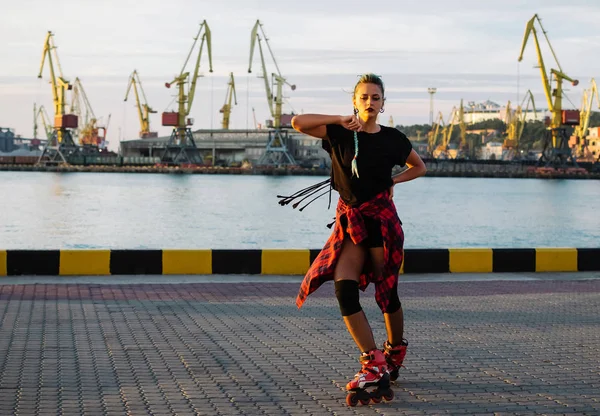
{"x": 476, "y": 347}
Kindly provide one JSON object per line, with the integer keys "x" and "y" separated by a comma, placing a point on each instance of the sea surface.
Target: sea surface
{"x": 42, "y": 210}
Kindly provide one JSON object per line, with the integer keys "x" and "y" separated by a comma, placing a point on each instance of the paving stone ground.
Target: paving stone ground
{"x": 476, "y": 347}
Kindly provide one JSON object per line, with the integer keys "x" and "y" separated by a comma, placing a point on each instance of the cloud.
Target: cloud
{"x": 467, "y": 50}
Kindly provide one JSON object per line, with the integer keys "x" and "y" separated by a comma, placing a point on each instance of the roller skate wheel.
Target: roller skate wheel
{"x": 388, "y": 396}
{"x": 376, "y": 397}
{"x": 351, "y": 400}
{"x": 365, "y": 402}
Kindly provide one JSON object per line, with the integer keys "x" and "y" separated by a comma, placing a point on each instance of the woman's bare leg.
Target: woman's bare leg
{"x": 349, "y": 267}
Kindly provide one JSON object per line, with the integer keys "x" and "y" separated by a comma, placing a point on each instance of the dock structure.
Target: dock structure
{"x": 230, "y": 147}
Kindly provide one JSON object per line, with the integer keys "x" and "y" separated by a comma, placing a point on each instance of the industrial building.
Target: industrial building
{"x": 489, "y": 110}
{"x": 233, "y": 147}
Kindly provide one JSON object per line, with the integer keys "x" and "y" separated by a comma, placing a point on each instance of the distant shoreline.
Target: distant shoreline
{"x": 439, "y": 169}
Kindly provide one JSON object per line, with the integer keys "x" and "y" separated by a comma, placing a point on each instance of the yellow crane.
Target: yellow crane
{"x": 581, "y": 131}
{"x": 515, "y": 123}
{"x": 275, "y": 102}
{"x": 81, "y": 107}
{"x": 434, "y": 134}
{"x": 144, "y": 110}
{"x": 442, "y": 151}
{"x": 41, "y": 114}
{"x": 61, "y": 145}
{"x": 560, "y": 118}
{"x": 226, "y": 109}
{"x": 92, "y": 134}
{"x": 181, "y": 147}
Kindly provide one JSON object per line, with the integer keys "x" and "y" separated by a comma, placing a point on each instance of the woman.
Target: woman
{"x": 366, "y": 245}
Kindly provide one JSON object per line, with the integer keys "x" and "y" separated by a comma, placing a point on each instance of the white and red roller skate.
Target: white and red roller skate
{"x": 374, "y": 373}
{"x": 394, "y": 356}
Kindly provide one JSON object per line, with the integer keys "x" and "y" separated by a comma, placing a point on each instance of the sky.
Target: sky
{"x": 466, "y": 49}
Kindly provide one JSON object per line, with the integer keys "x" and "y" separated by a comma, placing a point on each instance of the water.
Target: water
{"x": 42, "y": 210}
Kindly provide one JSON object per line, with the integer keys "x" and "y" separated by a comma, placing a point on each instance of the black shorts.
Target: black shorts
{"x": 374, "y": 238}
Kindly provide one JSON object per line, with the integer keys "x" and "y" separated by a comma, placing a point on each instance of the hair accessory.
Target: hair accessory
{"x": 354, "y": 162}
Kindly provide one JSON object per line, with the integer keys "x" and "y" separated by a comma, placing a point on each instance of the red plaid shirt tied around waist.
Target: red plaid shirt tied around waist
{"x": 380, "y": 208}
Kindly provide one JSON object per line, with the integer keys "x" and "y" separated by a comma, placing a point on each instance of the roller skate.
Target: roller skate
{"x": 394, "y": 356}
{"x": 372, "y": 374}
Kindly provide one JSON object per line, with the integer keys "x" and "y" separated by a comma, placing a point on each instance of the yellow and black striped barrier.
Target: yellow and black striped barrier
{"x": 286, "y": 262}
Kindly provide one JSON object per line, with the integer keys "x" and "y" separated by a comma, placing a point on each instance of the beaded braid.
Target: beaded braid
{"x": 365, "y": 78}
{"x": 354, "y": 162}
{"x": 354, "y": 169}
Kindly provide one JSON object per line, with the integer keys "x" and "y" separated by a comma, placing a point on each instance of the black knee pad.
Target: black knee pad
{"x": 393, "y": 303}
{"x": 346, "y": 292}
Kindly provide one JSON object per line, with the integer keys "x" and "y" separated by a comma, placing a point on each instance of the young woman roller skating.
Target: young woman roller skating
{"x": 366, "y": 245}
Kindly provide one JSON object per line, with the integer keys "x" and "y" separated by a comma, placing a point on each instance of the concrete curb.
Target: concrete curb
{"x": 285, "y": 261}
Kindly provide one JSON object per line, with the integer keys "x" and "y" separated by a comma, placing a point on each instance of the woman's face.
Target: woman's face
{"x": 368, "y": 100}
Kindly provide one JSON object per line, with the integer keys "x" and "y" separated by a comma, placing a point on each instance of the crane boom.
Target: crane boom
{"x": 181, "y": 147}
{"x": 522, "y": 115}
{"x": 443, "y": 149}
{"x": 185, "y": 101}
{"x": 253, "y": 38}
{"x": 433, "y": 137}
{"x": 581, "y": 131}
{"x": 144, "y": 110}
{"x": 229, "y": 95}
{"x": 48, "y": 51}
{"x": 449, "y": 128}
{"x": 59, "y": 86}
{"x": 530, "y": 30}
{"x": 79, "y": 92}
{"x": 560, "y": 150}
{"x": 555, "y": 106}
{"x": 132, "y": 82}
{"x": 587, "y": 108}
{"x": 41, "y": 113}
{"x": 275, "y": 102}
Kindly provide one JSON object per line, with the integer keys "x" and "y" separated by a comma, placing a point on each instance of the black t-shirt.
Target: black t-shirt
{"x": 378, "y": 153}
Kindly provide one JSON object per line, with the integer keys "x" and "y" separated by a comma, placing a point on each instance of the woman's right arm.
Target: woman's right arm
{"x": 314, "y": 124}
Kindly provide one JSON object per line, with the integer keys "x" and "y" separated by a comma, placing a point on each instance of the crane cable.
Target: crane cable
{"x": 212, "y": 90}
{"x": 568, "y": 99}
{"x": 37, "y": 100}
{"x": 247, "y": 101}
{"x": 518, "y": 82}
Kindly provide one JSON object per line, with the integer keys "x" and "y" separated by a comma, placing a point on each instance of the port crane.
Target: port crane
{"x": 276, "y": 152}
{"x": 442, "y": 151}
{"x": 581, "y": 131}
{"x": 41, "y": 114}
{"x": 144, "y": 110}
{"x": 60, "y": 147}
{"x": 556, "y": 149}
{"x": 92, "y": 135}
{"x": 434, "y": 134}
{"x": 182, "y": 147}
{"x": 226, "y": 109}
{"x": 515, "y": 122}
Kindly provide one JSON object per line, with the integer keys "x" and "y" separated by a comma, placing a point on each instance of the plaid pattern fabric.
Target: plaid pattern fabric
{"x": 321, "y": 270}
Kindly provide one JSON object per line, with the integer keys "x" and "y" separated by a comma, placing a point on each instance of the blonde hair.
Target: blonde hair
{"x": 370, "y": 78}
